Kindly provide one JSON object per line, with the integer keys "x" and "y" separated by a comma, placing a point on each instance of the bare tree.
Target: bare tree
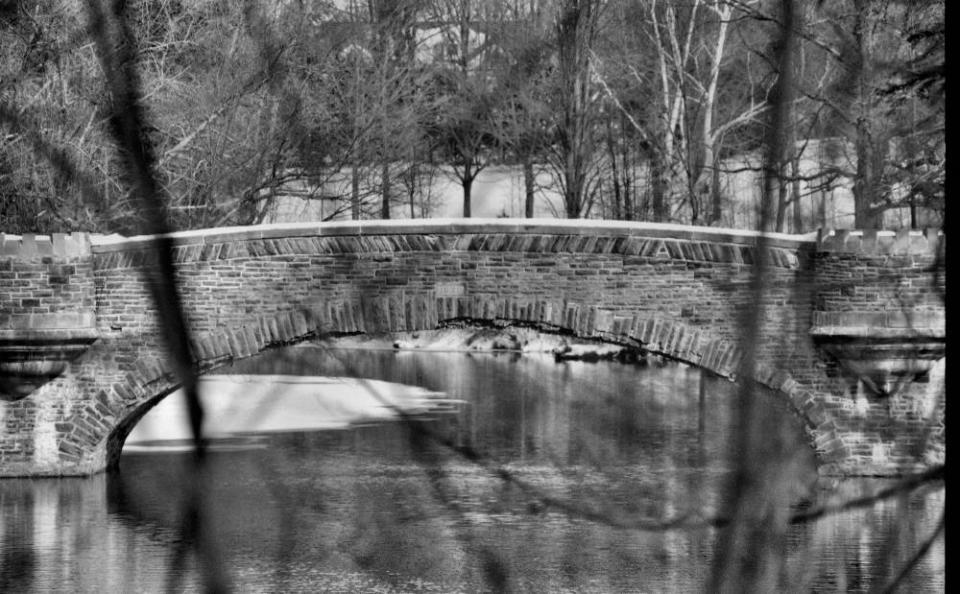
{"x": 891, "y": 130}
{"x": 522, "y": 122}
{"x": 575, "y": 96}
{"x": 464, "y": 130}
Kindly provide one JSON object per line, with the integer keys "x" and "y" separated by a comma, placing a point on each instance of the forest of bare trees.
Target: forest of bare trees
{"x": 635, "y": 108}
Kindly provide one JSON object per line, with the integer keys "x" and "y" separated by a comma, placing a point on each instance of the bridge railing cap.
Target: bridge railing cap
{"x": 459, "y": 226}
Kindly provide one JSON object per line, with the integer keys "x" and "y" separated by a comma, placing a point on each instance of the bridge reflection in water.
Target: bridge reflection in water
{"x": 369, "y": 506}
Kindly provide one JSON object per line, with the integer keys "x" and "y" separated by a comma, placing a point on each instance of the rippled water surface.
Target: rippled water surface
{"x": 511, "y": 473}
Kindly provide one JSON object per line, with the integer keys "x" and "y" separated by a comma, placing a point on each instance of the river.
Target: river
{"x": 510, "y": 473}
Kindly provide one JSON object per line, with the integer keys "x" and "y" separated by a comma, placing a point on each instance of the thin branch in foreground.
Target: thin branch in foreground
{"x": 116, "y": 52}
{"x": 906, "y": 484}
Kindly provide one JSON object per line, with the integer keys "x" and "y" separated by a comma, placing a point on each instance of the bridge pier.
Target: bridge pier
{"x": 854, "y": 320}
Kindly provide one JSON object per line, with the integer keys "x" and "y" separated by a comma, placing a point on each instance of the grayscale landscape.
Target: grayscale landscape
{"x": 589, "y": 296}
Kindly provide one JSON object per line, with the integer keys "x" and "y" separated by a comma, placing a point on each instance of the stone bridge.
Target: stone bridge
{"x": 852, "y": 321}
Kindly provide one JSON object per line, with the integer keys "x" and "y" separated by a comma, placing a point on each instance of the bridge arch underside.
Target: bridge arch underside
{"x": 681, "y": 295}
{"x": 94, "y": 434}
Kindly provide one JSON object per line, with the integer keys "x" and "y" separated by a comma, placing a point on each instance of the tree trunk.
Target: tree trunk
{"x": 716, "y": 198}
{"x": 467, "y": 189}
{"x": 657, "y": 186}
{"x": 575, "y": 33}
{"x": 411, "y": 176}
{"x": 573, "y": 191}
{"x": 865, "y": 216}
{"x": 355, "y": 192}
{"x": 694, "y": 205}
{"x": 795, "y": 186}
{"x": 822, "y": 208}
{"x": 864, "y": 186}
{"x": 628, "y": 186}
{"x": 528, "y": 184}
{"x": 709, "y": 138}
{"x": 385, "y": 191}
{"x": 614, "y": 174}
{"x": 781, "y": 199}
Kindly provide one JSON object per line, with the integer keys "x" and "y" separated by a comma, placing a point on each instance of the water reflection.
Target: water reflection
{"x": 60, "y": 535}
{"x": 376, "y": 507}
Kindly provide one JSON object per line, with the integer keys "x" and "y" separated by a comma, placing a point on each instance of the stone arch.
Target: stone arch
{"x": 93, "y": 436}
{"x": 105, "y": 422}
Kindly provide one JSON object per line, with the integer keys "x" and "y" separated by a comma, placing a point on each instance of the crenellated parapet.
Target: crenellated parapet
{"x": 874, "y": 242}
{"x": 31, "y": 247}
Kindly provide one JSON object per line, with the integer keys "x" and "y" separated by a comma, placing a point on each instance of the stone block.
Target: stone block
{"x": 345, "y": 317}
{"x": 144, "y": 371}
{"x": 673, "y": 248}
{"x": 621, "y": 326}
{"x": 671, "y": 340}
{"x": 603, "y": 321}
{"x": 285, "y": 326}
{"x": 409, "y": 315}
{"x": 237, "y": 342}
{"x": 934, "y": 240}
{"x": 28, "y": 247}
{"x": 652, "y": 333}
{"x": 709, "y": 355}
{"x": 299, "y": 321}
{"x": 694, "y": 347}
{"x": 732, "y": 361}
{"x": 69, "y": 449}
{"x": 251, "y": 341}
{"x": 122, "y": 391}
{"x": 901, "y": 243}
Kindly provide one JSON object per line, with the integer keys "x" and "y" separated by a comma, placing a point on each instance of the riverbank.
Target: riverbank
{"x": 471, "y": 337}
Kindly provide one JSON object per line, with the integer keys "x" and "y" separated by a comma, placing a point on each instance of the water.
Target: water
{"x": 364, "y": 503}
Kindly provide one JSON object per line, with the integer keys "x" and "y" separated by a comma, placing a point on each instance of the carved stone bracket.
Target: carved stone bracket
{"x": 32, "y": 356}
{"x": 882, "y": 357}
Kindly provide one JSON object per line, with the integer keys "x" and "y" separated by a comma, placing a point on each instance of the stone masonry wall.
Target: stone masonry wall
{"x": 680, "y": 291}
